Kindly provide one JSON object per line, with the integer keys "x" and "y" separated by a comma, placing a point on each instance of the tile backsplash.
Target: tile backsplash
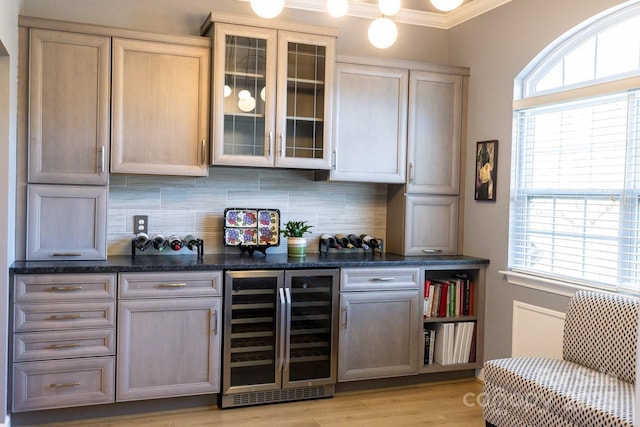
{"x": 185, "y": 205}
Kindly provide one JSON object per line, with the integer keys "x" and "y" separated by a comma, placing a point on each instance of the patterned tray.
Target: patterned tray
{"x": 251, "y": 227}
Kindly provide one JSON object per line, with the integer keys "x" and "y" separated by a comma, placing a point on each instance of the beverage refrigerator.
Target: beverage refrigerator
{"x": 280, "y": 336}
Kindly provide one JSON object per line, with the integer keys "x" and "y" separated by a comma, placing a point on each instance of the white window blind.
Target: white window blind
{"x": 575, "y": 208}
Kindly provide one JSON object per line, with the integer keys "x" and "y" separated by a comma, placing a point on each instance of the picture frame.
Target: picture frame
{"x": 486, "y": 170}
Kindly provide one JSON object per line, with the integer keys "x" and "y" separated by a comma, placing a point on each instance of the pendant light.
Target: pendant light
{"x": 446, "y": 5}
{"x": 337, "y": 8}
{"x": 267, "y": 8}
{"x": 383, "y": 33}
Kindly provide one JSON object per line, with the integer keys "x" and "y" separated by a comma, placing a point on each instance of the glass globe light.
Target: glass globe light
{"x": 337, "y": 8}
{"x": 383, "y": 33}
{"x": 446, "y": 5}
{"x": 389, "y": 7}
{"x": 267, "y": 8}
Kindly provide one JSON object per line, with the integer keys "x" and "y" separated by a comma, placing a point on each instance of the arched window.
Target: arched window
{"x": 575, "y": 187}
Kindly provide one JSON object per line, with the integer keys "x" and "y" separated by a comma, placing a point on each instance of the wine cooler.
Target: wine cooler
{"x": 280, "y": 336}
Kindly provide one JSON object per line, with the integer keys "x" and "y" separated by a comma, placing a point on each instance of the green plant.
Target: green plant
{"x": 295, "y": 229}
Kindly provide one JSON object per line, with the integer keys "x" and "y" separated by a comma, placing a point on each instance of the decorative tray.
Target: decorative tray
{"x": 251, "y": 228}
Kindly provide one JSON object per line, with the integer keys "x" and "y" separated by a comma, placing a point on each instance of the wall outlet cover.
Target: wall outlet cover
{"x": 140, "y": 224}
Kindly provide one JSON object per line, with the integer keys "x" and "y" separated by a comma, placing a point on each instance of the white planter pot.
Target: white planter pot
{"x": 297, "y": 246}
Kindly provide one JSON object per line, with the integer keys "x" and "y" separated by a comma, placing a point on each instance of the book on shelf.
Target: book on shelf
{"x": 452, "y": 342}
{"x": 429, "y": 290}
{"x": 429, "y": 345}
{"x": 449, "y": 297}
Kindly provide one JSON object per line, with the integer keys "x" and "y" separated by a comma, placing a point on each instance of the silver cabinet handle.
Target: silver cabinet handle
{"x": 202, "y": 151}
{"x": 66, "y": 254}
{"x": 382, "y": 279}
{"x": 269, "y": 144}
{"x": 65, "y": 288}
{"x": 344, "y": 317}
{"x": 101, "y": 159}
{"x": 280, "y": 146}
{"x": 411, "y": 173}
{"x": 62, "y": 346}
{"x": 215, "y": 322}
{"x": 65, "y": 316}
{"x": 333, "y": 160}
{"x": 432, "y": 251}
{"x": 172, "y": 285}
{"x": 74, "y": 384}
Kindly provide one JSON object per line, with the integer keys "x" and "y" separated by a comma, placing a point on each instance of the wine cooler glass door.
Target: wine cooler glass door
{"x": 253, "y": 353}
{"x": 310, "y": 346}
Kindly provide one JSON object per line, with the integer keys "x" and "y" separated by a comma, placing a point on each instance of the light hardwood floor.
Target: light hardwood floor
{"x": 442, "y": 404}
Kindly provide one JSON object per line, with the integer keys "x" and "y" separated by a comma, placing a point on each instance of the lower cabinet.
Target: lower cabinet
{"x": 169, "y": 334}
{"x": 379, "y": 323}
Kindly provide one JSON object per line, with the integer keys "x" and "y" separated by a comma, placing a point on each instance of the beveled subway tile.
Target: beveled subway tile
{"x": 318, "y": 202}
{"x": 243, "y": 179}
{"x": 197, "y": 199}
{"x": 134, "y": 198}
{"x": 168, "y": 222}
{"x": 258, "y": 199}
{"x": 117, "y": 221}
{"x": 286, "y": 180}
{"x": 160, "y": 181}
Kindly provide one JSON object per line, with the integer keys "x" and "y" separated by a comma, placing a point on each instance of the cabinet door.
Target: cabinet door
{"x": 370, "y": 122}
{"x": 168, "y": 348}
{"x": 379, "y": 334}
{"x": 66, "y": 222}
{"x": 160, "y": 108}
{"x": 435, "y": 119}
{"x": 69, "y": 107}
{"x": 244, "y": 95}
{"x": 305, "y": 88}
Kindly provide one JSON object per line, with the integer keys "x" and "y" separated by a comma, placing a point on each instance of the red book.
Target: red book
{"x": 444, "y": 300}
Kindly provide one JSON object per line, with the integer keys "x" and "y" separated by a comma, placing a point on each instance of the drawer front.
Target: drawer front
{"x": 377, "y": 279}
{"x": 64, "y": 287}
{"x": 63, "y": 383}
{"x": 170, "y": 284}
{"x": 63, "y": 316}
{"x": 59, "y": 345}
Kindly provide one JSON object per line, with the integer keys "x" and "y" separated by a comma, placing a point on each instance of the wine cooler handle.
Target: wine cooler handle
{"x": 283, "y": 321}
{"x": 287, "y": 340}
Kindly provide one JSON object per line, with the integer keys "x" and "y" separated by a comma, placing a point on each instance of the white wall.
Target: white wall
{"x": 8, "y": 108}
{"x": 497, "y": 46}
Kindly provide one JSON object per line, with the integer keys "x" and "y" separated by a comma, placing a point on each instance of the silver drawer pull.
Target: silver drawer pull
{"x": 67, "y": 254}
{"x": 65, "y": 288}
{"x": 172, "y": 285}
{"x": 65, "y": 316}
{"x": 383, "y": 279}
{"x": 74, "y": 384}
{"x": 432, "y": 251}
{"x": 70, "y": 345}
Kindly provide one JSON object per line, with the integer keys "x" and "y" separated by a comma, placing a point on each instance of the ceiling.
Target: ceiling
{"x": 414, "y": 12}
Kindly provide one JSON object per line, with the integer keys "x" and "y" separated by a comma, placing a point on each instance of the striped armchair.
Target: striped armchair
{"x": 592, "y": 385}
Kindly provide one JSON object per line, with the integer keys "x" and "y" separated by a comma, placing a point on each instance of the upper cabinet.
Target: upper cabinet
{"x": 435, "y": 125}
{"x": 160, "y": 108}
{"x": 271, "y": 97}
{"x": 370, "y": 123}
{"x": 69, "y": 105}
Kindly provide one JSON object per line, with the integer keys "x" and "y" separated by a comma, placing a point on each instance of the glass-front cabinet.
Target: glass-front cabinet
{"x": 271, "y": 97}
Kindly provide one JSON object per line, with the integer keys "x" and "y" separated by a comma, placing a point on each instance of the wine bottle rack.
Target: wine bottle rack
{"x": 198, "y": 246}
{"x": 324, "y": 248}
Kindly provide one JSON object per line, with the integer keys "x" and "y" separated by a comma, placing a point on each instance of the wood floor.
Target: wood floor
{"x": 443, "y": 404}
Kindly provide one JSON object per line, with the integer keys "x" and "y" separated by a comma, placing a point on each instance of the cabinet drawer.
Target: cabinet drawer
{"x": 370, "y": 279}
{"x": 64, "y": 287}
{"x": 50, "y": 317}
{"x": 170, "y": 284}
{"x": 63, "y": 383}
{"x": 58, "y": 345}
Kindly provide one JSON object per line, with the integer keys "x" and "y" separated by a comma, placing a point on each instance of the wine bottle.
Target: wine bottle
{"x": 142, "y": 241}
{"x": 190, "y": 241}
{"x": 175, "y": 242}
{"x": 370, "y": 240}
{"x": 342, "y": 240}
{"x": 159, "y": 242}
{"x": 355, "y": 240}
{"x": 330, "y": 241}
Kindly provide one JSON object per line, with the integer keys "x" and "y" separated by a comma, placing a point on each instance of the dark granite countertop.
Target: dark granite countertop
{"x": 191, "y": 262}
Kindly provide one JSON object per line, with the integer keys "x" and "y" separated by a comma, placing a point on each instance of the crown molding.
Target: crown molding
{"x": 442, "y": 21}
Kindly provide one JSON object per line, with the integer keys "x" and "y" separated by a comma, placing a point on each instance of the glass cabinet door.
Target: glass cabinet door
{"x": 244, "y": 95}
{"x": 310, "y": 346}
{"x": 305, "y": 70}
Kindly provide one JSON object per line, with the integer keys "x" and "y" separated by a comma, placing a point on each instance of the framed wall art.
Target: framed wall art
{"x": 486, "y": 170}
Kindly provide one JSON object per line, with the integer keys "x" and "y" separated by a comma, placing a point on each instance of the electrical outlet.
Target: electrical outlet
{"x": 140, "y": 224}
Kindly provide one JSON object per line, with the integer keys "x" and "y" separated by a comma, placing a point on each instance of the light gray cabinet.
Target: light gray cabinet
{"x": 63, "y": 340}
{"x": 370, "y": 123}
{"x": 169, "y": 334}
{"x": 66, "y": 222}
{"x": 69, "y": 107}
{"x": 379, "y": 323}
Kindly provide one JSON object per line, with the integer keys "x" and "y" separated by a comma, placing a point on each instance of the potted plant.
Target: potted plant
{"x": 296, "y": 242}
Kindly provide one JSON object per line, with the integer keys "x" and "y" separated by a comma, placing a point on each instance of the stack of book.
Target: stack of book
{"x": 449, "y": 343}
{"x": 449, "y": 297}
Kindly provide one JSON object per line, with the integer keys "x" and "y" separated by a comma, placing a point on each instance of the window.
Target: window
{"x": 575, "y": 187}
